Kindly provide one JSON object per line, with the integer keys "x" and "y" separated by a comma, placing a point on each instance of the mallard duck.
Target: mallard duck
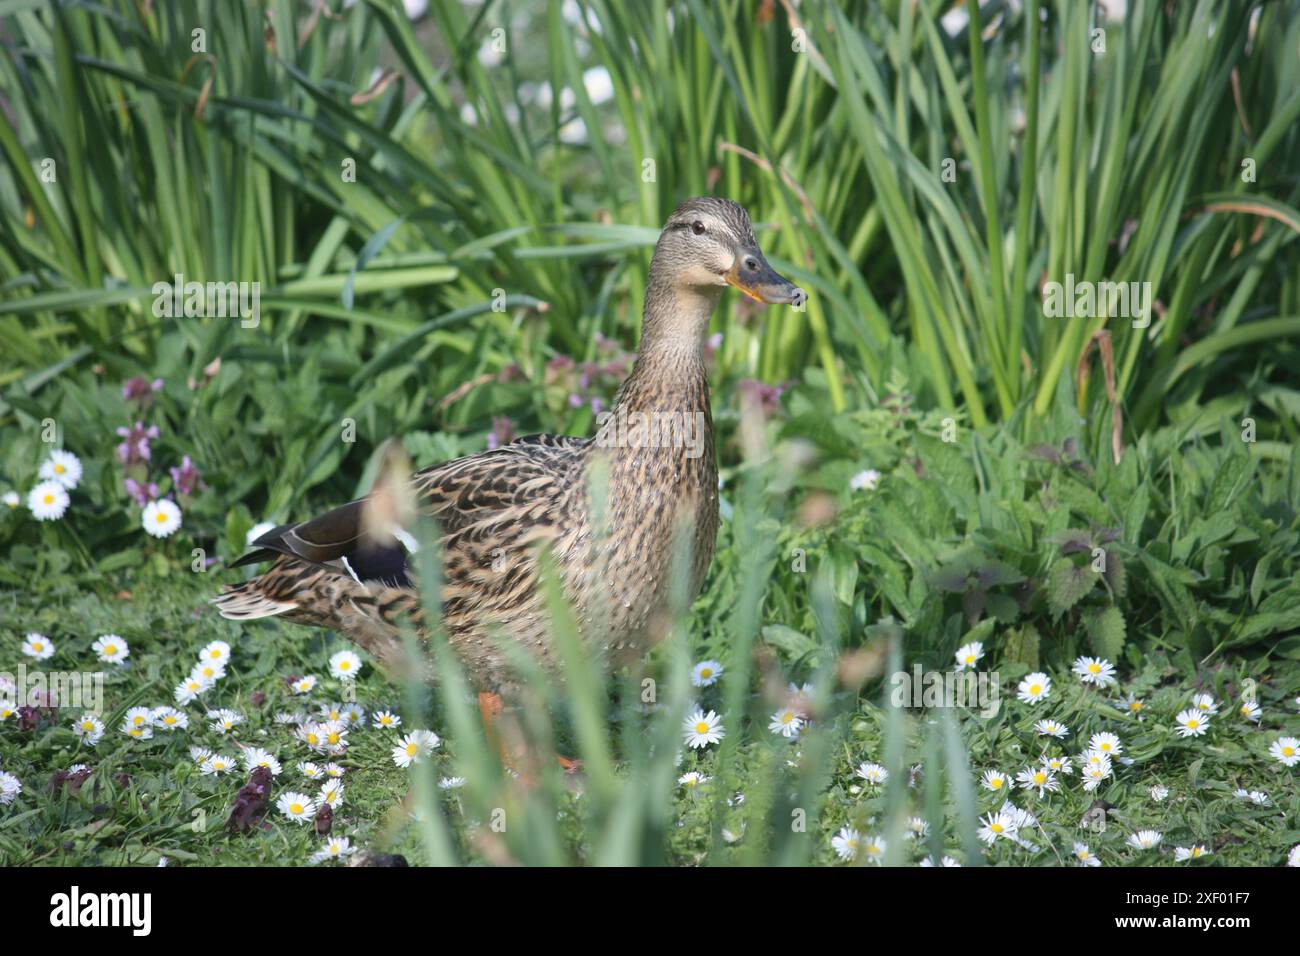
{"x": 652, "y": 455}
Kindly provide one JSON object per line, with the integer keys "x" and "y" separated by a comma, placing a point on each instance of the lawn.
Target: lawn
{"x": 933, "y": 479}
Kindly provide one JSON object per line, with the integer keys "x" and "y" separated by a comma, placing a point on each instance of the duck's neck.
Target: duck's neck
{"x": 669, "y": 371}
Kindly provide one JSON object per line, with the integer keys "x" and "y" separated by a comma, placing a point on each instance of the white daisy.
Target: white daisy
{"x": 994, "y": 780}
{"x": 873, "y": 773}
{"x": 1057, "y": 764}
{"x": 947, "y": 861}
{"x": 1050, "y": 728}
{"x": 1182, "y": 853}
{"x": 786, "y": 722}
{"x": 1293, "y": 856}
{"x": 701, "y": 729}
{"x": 1094, "y": 670}
{"x": 200, "y": 754}
{"x": 706, "y": 673}
{"x": 1286, "y": 751}
{"x": 386, "y": 720}
{"x": 345, "y": 665}
{"x": 865, "y": 480}
{"x": 874, "y": 848}
{"x": 10, "y": 787}
{"x": 310, "y": 770}
{"x": 334, "y": 770}
{"x": 996, "y": 825}
{"x": 1145, "y": 839}
{"x": 968, "y": 655}
{"x": 331, "y": 793}
{"x": 691, "y": 780}
{"x": 89, "y": 728}
{"x": 161, "y": 518}
{"x": 63, "y": 467}
{"x": 451, "y": 783}
{"x": 208, "y": 671}
{"x": 334, "y": 736}
{"x": 1038, "y": 778}
{"x": 139, "y": 717}
{"x": 111, "y": 649}
{"x": 38, "y": 646}
{"x": 48, "y": 501}
{"x": 188, "y": 690}
{"x": 1085, "y": 856}
{"x": 1206, "y": 704}
{"x": 353, "y": 714}
{"x": 216, "y": 652}
{"x": 7, "y": 710}
{"x": 409, "y": 750}
{"x": 12, "y": 499}
{"x": 303, "y": 685}
{"x": 137, "y": 731}
{"x": 257, "y": 757}
{"x": 1159, "y": 793}
{"x": 1249, "y": 710}
{"x": 224, "y": 721}
{"x": 1035, "y": 687}
{"x": 1193, "y": 723}
{"x": 298, "y": 807}
{"x": 1106, "y": 743}
{"x": 169, "y": 718}
{"x": 336, "y": 848}
{"x": 1095, "y": 772}
{"x": 846, "y": 843}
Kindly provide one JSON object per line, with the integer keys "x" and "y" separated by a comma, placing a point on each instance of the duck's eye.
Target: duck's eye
{"x": 697, "y": 227}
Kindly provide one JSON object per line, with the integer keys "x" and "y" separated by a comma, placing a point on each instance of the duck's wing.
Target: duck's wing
{"x": 506, "y": 487}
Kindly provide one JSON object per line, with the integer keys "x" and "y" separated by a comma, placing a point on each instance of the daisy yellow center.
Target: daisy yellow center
{"x": 970, "y": 658}
{"x": 1094, "y": 668}
{"x": 334, "y": 738}
{"x": 1103, "y": 746}
{"x": 412, "y": 749}
{"x": 110, "y": 648}
{"x": 295, "y": 808}
{"x": 1136, "y": 705}
{"x": 1288, "y": 751}
{"x": 1040, "y": 778}
{"x": 312, "y": 739}
{"x": 996, "y": 783}
{"x": 1035, "y": 688}
{"x": 169, "y": 719}
{"x": 87, "y": 725}
{"x": 344, "y": 665}
{"x": 215, "y": 655}
{"x": 48, "y": 499}
{"x": 161, "y": 518}
{"x": 1193, "y": 723}
{"x": 995, "y": 827}
{"x": 706, "y": 672}
{"x": 1084, "y": 854}
{"x": 787, "y": 717}
{"x": 702, "y": 728}
{"x": 138, "y": 720}
{"x": 38, "y": 646}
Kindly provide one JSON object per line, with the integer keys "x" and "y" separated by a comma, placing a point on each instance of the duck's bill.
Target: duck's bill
{"x": 764, "y": 284}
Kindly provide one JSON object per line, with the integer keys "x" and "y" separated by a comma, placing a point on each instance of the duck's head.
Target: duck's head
{"x": 708, "y": 243}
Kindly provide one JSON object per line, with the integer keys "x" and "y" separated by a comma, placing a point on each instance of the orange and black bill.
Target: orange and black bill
{"x": 752, "y": 275}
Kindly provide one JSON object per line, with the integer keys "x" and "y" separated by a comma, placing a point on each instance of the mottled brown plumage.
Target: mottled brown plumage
{"x": 607, "y": 507}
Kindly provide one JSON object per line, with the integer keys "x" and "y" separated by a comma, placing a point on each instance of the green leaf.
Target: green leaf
{"x": 1068, "y": 584}
{"x": 1106, "y": 631}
